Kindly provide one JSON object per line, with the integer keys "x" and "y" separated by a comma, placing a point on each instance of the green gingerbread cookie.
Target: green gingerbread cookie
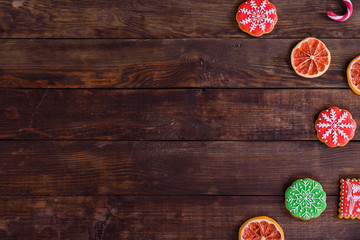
{"x": 305, "y": 199}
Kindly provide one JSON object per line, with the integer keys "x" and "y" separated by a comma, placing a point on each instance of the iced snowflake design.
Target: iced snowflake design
{"x": 257, "y": 17}
{"x": 335, "y": 127}
{"x": 305, "y": 199}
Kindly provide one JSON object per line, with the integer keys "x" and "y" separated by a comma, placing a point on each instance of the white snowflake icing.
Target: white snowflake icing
{"x": 306, "y": 199}
{"x": 257, "y": 15}
{"x": 334, "y": 125}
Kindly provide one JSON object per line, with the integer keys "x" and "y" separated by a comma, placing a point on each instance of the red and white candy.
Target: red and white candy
{"x": 342, "y": 18}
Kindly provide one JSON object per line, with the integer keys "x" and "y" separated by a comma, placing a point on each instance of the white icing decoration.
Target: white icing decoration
{"x": 257, "y": 16}
{"x": 334, "y": 126}
{"x": 353, "y": 188}
{"x": 305, "y": 199}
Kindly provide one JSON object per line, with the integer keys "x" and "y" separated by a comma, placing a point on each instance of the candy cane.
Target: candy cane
{"x": 349, "y": 11}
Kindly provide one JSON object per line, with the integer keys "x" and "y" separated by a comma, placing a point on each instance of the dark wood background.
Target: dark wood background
{"x": 147, "y": 119}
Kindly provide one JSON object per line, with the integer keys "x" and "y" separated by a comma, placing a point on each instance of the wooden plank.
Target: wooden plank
{"x": 168, "y": 63}
{"x": 248, "y": 114}
{"x": 158, "y": 218}
{"x": 53, "y": 217}
{"x": 219, "y": 218}
{"x": 171, "y": 168}
{"x": 163, "y": 19}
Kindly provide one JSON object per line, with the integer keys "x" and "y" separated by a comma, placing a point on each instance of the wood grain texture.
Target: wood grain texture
{"x": 79, "y": 163}
{"x": 142, "y": 217}
{"x": 53, "y": 217}
{"x": 220, "y": 218}
{"x": 168, "y": 63}
{"x": 211, "y": 114}
{"x": 171, "y": 168}
{"x": 163, "y": 19}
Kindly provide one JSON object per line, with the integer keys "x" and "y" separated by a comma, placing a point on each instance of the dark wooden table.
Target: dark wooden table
{"x": 130, "y": 119}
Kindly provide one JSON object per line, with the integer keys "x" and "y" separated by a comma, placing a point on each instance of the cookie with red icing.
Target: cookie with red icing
{"x": 349, "y": 206}
{"x": 335, "y": 127}
{"x": 256, "y": 17}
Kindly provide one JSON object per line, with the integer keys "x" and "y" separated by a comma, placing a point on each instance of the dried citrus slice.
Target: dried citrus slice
{"x": 310, "y": 58}
{"x": 261, "y": 228}
{"x": 353, "y": 75}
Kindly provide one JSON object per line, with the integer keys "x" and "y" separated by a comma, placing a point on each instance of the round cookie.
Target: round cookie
{"x": 305, "y": 199}
{"x": 256, "y": 17}
{"x": 335, "y": 127}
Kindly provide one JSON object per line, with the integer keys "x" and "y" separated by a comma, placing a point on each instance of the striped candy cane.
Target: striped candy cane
{"x": 349, "y": 11}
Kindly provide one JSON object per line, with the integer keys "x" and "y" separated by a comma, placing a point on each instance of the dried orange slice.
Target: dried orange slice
{"x": 310, "y": 58}
{"x": 353, "y": 75}
{"x": 261, "y": 228}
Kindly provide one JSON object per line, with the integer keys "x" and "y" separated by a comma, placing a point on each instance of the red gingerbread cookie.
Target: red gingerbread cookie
{"x": 257, "y": 17}
{"x": 335, "y": 127}
{"x": 349, "y": 206}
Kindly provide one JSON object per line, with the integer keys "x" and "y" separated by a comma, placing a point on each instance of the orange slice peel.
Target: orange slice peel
{"x": 261, "y": 227}
{"x": 353, "y": 75}
{"x": 310, "y": 58}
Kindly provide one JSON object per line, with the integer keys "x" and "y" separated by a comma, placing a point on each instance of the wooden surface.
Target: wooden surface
{"x": 162, "y": 120}
{"x": 164, "y": 63}
{"x": 170, "y": 167}
{"x": 163, "y": 19}
{"x": 157, "y": 217}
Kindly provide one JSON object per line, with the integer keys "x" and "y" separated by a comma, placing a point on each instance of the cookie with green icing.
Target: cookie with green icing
{"x": 305, "y": 199}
